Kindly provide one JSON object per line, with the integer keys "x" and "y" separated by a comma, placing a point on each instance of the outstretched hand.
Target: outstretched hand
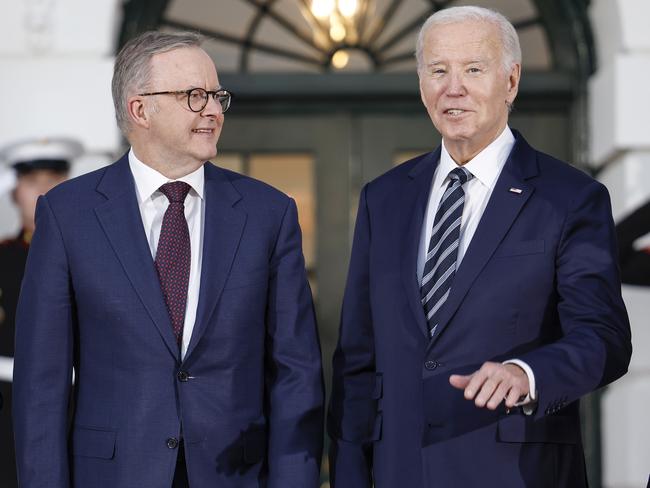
{"x": 492, "y": 384}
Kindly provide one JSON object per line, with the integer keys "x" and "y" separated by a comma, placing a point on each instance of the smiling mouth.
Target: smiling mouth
{"x": 203, "y": 131}
{"x": 455, "y": 112}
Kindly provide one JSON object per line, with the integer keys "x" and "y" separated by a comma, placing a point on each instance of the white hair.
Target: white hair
{"x": 509, "y": 38}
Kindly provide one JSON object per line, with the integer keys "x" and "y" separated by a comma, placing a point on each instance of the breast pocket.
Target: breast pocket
{"x": 521, "y": 248}
{"x": 244, "y": 278}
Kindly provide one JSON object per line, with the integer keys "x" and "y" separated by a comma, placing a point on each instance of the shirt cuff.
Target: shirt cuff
{"x": 529, "y": 402}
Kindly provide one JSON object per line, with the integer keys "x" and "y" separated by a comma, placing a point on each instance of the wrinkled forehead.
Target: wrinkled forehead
{"x": 190, "y": 66}
{"x": 463, "y": 41}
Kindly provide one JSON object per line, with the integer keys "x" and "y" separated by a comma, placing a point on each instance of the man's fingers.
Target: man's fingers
{"x": 478, "y": 379}
{"x": 459, "y": 381}
{"x": 499, "y": 395}
{"x": 492, "y": 384}
{"x": 513, "y": 397}
{"x": 486, "y": 391}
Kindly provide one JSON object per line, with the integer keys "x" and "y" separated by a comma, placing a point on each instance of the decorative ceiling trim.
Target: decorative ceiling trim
{"x": 565, "y": 22}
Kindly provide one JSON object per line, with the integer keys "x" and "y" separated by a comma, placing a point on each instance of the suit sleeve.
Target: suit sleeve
{"x": 595, "y": 344}
{"x": 295, "y": 390}
{"x": 352, "y": 417}
{"x": 43, "y": 359}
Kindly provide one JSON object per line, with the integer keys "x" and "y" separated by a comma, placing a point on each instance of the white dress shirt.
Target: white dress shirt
{"x": 153, "y": 204}
{"x": 486, "y": 167}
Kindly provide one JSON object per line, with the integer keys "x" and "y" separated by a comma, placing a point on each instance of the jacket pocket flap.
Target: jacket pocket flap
{"x": 551, "y": 429}
{"x": 363, "y": 386}
{"x": 92, "y": 442}
{"x": 521, "y": 248}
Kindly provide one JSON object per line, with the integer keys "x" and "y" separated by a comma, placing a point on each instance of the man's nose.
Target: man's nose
{"x": 212, "y": 108}
{"x": 456, "y": 86}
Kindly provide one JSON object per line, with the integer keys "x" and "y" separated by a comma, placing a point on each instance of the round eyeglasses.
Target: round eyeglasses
{"x": 197, "y": 98}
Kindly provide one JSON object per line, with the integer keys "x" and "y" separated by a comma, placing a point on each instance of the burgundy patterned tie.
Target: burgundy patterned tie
{"x": 173, "y": 255}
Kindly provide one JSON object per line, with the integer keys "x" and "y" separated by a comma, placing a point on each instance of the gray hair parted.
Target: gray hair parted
{"x": 509, "y": 37}
{"x": 132, "y": 69}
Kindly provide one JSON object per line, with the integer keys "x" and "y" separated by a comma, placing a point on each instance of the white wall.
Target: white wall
{"x": 619, "y": 96}
{"x": 56, "y": 60}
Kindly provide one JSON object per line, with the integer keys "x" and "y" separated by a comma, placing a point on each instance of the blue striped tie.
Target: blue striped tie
{"x": 440, "y": 263}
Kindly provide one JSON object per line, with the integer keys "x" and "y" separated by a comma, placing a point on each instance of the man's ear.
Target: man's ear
{"x": 420, "y": 83}
{"x": 138, "y": 114}
{"x": 513, "y": 83}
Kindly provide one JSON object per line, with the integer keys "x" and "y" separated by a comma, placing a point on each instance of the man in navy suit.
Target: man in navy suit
{"x": 177, "y": 293}
{"x": 483, "y": 296}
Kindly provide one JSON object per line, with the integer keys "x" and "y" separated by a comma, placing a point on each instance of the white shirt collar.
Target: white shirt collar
{"x": 148, "y": 180}
{"x": 486, "y": 165}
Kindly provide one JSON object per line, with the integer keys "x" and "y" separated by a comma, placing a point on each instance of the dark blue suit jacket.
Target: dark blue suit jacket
{"x": 249, "y": 407}
{"x": 539, "y": 282}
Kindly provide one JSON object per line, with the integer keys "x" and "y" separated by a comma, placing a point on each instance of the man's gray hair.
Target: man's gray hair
{"x": 132, "y": 70}
{"x": 509, "y": 39}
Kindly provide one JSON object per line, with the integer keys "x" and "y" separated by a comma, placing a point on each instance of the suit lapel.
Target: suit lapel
{"x": 222, "y": 231}
{"x": 120, "y": 219}
{"x": 415, "y": 198}
{"x": 499, "y": 215}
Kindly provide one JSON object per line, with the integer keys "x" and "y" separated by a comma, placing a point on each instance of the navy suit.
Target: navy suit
{"x": 539, "y": 282}
{"x": 247, "y": 399}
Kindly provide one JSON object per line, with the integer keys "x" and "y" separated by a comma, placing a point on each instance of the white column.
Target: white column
{"x": 619, "y": 98}
{"x": 56, "y": 60}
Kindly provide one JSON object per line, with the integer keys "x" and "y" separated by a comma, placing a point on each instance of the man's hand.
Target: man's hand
{"x": 492, "y": 384}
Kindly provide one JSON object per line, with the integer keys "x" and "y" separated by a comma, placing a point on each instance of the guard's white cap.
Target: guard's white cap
{"x": 55, "y": 153}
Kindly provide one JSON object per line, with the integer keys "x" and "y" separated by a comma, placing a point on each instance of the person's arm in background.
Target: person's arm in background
{"x": 635, "y": 263}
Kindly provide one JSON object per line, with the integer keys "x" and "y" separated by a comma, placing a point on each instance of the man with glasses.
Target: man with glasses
{"x": 177, "y": 293}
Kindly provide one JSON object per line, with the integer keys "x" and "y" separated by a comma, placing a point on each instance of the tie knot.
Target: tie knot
{"x": 460, "y": 174}
{"x": 175, "y": 191}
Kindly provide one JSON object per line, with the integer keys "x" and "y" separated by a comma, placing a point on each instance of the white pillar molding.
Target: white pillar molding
{"x": 618, "y": 92}
{"x": 619, "y": 103}
{"x": 68, "y": 28}
{"x": 56, "y": 59}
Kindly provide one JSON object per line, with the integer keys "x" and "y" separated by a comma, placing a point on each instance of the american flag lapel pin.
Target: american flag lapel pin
{"x": 518, "y": 191}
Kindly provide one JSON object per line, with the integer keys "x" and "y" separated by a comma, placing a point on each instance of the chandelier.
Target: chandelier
{"x": 338, "y": 25}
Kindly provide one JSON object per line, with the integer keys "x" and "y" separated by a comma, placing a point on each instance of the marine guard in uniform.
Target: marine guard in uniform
{"x": 37, "y": 166}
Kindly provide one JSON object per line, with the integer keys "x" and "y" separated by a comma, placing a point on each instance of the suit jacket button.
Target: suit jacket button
{"x": 183, "y": 376}
{"x": 172, "y": 443}
{"x": 431, "y": 365}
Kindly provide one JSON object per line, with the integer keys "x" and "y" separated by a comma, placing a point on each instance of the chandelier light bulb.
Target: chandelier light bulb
{"x": 348, "y": 8}
{"x": 322, "y": 9}
{"x": 337, "y": 31}
{"x": 340, "y": 59}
